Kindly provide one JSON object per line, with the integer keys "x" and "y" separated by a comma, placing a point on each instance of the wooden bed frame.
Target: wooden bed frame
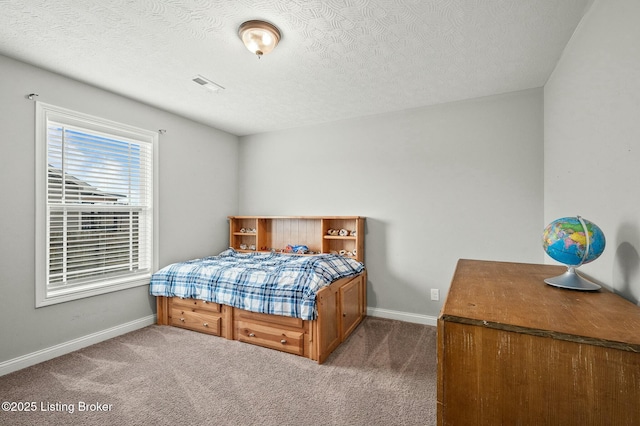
{"x": 341, "y": 305}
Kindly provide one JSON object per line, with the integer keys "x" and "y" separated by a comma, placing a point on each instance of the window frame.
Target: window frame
{"x": 44, "y": 113}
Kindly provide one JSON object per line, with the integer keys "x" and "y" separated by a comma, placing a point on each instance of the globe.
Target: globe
{"x": 573, "y": 241}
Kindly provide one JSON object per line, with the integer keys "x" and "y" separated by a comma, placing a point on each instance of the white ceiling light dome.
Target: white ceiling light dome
{"x": 260, "y": 37}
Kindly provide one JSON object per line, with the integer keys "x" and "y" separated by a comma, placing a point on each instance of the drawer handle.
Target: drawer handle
{"x": 182, "y": 319}
{"x": 344, "y": 315}
{"x": 252, "y": 335}
{"x": 283, "y": 341}
{"x": 206, "y": 324}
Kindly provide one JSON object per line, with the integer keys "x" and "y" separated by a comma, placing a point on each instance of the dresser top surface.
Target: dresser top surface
{"x": 515, "y": 296}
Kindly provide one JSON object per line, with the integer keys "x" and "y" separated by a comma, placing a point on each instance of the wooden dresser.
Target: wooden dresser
{"x": 513, "y": 350}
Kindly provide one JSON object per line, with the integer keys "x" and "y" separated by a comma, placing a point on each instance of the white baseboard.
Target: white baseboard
{"x": 402, "y": 316}
{"x": 46, "y": 354}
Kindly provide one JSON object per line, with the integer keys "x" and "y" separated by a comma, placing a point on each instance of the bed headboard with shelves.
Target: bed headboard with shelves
{"x": 321, "y": 234}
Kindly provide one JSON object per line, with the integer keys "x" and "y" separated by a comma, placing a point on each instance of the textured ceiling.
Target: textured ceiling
{"x": 337, "y": 58}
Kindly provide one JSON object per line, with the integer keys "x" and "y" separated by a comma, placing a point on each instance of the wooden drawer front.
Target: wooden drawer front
{"x": 272, "y": 319}
{"x": 198, "y": 321}
{"x": 194, "y": 304}
{"x": 271, "y": 337}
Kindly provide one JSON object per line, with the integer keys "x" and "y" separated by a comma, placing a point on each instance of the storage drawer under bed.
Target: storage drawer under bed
{"x": 197, "y": 321}
{"x": 198, "y": 315}
{"x": 270, "y": 337}
{"x": 194, "y": 304}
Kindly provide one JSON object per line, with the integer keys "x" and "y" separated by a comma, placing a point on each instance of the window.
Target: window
{"x": 95, "y": 206}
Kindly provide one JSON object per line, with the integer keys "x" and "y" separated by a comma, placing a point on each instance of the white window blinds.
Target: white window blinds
{"x": 99, "y": 205}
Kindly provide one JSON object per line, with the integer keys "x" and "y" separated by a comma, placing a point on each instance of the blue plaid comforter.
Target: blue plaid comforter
{"x": 270, "y": 283}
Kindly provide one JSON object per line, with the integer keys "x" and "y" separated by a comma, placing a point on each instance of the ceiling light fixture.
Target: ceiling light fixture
{"x": 259, "y": 37}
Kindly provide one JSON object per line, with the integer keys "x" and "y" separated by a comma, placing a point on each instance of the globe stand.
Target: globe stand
{"x": 572, "y": 280}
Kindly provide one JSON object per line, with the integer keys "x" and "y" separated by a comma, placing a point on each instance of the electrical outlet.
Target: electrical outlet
{"x": 435, "y": 294}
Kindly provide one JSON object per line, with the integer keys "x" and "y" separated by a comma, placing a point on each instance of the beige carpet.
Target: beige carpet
{"x": 384, "y": 374}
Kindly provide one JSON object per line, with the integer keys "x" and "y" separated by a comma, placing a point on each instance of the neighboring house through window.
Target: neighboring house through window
{"x": 95, "y": 205}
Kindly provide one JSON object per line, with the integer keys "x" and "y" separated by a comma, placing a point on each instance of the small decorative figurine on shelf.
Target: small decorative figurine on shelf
{"x": 341, "y": 232}
{"x": 299, "y": 249}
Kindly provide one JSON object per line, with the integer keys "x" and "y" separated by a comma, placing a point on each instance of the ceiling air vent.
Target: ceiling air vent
{"x": 205, "y": 82}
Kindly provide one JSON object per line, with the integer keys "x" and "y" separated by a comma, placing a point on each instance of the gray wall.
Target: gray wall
{"x": 592, "y": 138}
{"x": 460, "y": 180}
{"x": 198, "y": 189}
